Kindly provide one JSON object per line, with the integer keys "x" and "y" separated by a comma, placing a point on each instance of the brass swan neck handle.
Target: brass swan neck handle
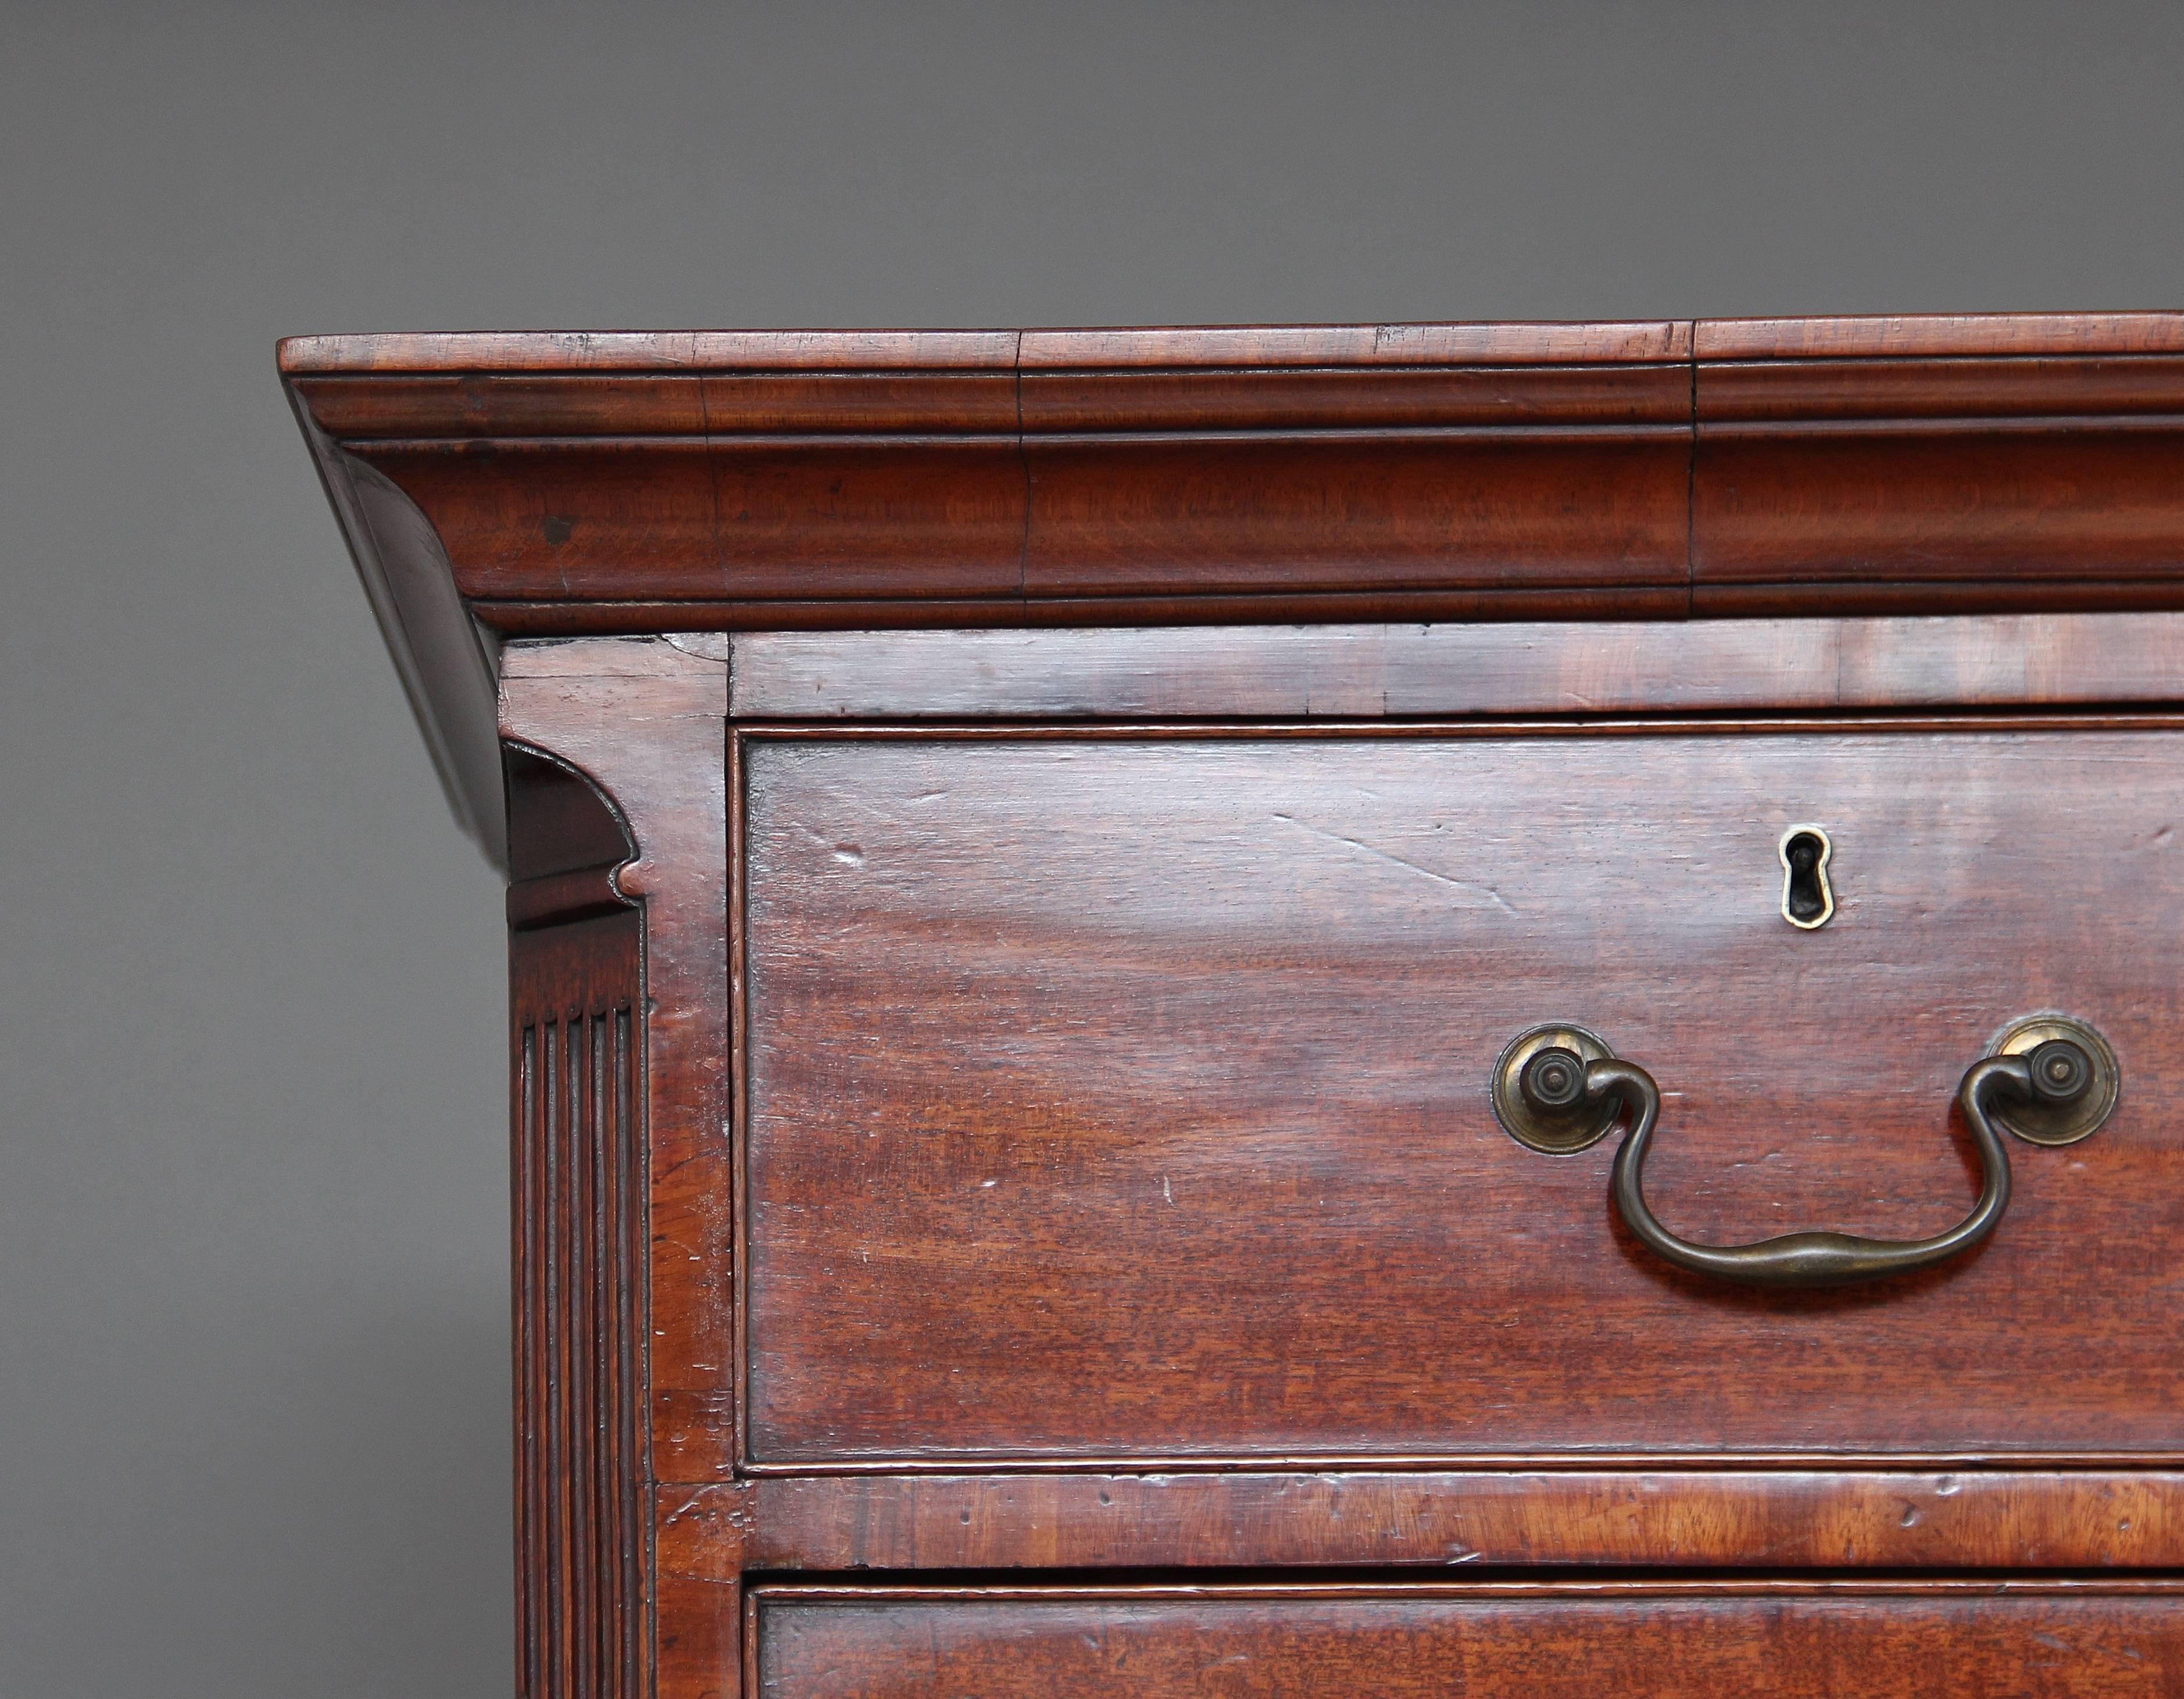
{"x": 2065, "y": 1080}
{"x": 1805, "y": 1259}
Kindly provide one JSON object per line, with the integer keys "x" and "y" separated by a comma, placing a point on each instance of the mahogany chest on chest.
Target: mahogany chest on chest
{"x": 1399, "y": 1010}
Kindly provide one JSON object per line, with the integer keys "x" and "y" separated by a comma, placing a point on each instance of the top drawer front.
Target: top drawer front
{"x": 1126, "y": 1098}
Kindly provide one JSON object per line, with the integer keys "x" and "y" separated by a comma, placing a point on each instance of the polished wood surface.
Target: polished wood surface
{"x": 1940, "y": 335}
{"x": 1350, "y": 478}
{"x": 1388, "y": 672}
{"x": 645, "y": 723}
{"x": 1727, "y": 1518}
{"x": 577, "y": 1205}
{"x": 910, "y": 481}
{"x": 637, "y": 483}
{"x": 1125, "y": 1099}
{"x": 1008, "y": 946}
{"x": 1205, "y": 346}
{"x": 765, "y": 478}
{"x": 1790, "y": 1641}
{"x": 578, "y": 1169}
{"x": 517, "y": 620}
{"x": 2042, "y": 473}
{"x": 1509, "y": 343}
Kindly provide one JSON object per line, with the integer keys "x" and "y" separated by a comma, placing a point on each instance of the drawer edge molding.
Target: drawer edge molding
{"x": 1744, "y": 1519}
{"x": 1371, "y": 672}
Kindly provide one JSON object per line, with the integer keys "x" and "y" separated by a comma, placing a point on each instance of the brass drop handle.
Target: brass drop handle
{"x": 2057, "y": 1091}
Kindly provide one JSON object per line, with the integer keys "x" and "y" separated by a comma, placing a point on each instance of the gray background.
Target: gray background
{"x": 253, "y": 1356}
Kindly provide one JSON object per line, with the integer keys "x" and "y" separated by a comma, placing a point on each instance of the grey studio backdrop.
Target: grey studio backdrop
{"x": 253, "y": 1212}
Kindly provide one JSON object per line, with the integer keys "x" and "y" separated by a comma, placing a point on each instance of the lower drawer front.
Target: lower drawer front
{"x": 1786, "y": 1639}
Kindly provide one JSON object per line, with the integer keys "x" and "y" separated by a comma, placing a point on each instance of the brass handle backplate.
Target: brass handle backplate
{"x": 2050, "y": 1080}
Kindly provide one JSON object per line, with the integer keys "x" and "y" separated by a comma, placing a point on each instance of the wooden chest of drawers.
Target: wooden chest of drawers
{"x": 1410, "y": 1010}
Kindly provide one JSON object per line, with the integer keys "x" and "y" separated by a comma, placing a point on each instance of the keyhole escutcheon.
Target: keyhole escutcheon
{"x": 1808, "y": 901}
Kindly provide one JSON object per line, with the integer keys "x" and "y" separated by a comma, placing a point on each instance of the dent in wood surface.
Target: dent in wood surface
{"x": 763, "y": 520}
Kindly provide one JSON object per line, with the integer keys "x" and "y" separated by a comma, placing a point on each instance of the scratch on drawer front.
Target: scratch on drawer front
{"x": 1492, "y": 895}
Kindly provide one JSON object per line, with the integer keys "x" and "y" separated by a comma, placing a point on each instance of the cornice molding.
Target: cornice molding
{"x": 550, "y": 484}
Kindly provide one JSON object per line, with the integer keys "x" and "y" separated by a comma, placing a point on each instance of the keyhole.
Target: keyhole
{"x": 1808, "y": 900}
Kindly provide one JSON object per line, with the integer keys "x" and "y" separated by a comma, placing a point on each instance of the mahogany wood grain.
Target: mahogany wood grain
{"x": 699, "y": 1653}
{"x": 1607, "y": 400}
{"x": 1790, "y": 1641}
{"x": 1976, "y": 395}
{"x": 581, "y": 1507}
{"x": 1689, "y": 1518}
{"x": 566, "y": 475}
{"x": 644, "y": 722}
{"x": 1217, "y": 345}
{"x": 439, "y": 654}
{"x": 521, "y": 619}
{"x": 751, "y": 521}
{"x": 1339, "y": 671}
{"x": 1013, "y": 1100}
{"x": 648, "y": 715}
{"x": 1514, "y": 506}
{"x": 1349, "y": 477}
{"x": 1904, "y": 505}
{"x": 1940, "y": 335}
{"x": 1515, "y": 344}
{"x": 1509, "y": 345}
{"x": 558, "y": 821}
{"x": 1986, "y": 453}
{"x": 1876, "y": 598}
{"x": 649, "y": 351}
{"x": 600, "y": 483}
{"x": 589, "y": 404}
{"x": 1125, "y": 1099}
{"x": 370, "y": 405}
{"x": 566, "y": 843}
